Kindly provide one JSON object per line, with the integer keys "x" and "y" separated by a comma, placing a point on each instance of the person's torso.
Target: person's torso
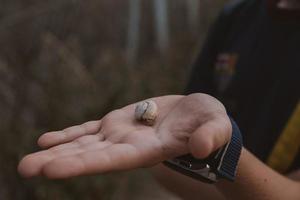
{"x": 256, "y": 76}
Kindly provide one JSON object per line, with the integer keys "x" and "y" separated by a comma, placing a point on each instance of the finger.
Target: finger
{"x": 81, "y": 149}
{"x": 113, "y": 158}
{"x": 58, "y": 137}
{"x": 210, "y": 136}
{"x": 32, "y": 164}
{"x": 80, "y": 142}
{"x": 85, "y": 147}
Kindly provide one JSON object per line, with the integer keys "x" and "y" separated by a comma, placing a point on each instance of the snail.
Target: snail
{"x": 146, "y": 112}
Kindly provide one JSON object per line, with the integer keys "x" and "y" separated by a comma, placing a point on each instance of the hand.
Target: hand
{"x": 196, "y": 124}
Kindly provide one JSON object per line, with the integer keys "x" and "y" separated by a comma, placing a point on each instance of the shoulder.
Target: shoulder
{"x": 239, "y": 6}
{"x": 237, "y": 11}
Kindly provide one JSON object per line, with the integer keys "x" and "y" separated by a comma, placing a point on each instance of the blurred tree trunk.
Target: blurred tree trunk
{"x": 133, "y": 31}
{"x": 161, "y": 25}
{"x": 193, "y": 7}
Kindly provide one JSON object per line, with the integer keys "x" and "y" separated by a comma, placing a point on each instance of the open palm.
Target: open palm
{"x": 196, "y": 123}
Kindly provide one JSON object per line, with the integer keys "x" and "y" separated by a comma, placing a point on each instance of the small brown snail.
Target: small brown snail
{"x": 146, "y": 112}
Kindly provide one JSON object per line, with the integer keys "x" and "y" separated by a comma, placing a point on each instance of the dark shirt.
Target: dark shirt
{"x": 251, "y": 62}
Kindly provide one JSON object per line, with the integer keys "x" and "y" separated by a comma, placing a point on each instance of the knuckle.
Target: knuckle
{"x": 209, "y": 103}
{"x": 67, "y": 131}
{"x": 80, "y": 141}
{"x": 111, "y": 115}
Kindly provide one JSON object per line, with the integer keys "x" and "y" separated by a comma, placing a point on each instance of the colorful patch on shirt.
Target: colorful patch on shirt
{"x": 225, "y": 67}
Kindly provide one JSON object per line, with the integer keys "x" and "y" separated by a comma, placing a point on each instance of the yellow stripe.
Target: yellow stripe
{"x": 288, "y": 144}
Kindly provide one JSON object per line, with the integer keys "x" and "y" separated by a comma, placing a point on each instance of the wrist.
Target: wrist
{"x": 221, "y": 164}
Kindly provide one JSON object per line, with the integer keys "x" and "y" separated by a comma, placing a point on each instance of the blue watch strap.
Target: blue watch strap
{"x": 220, "y": 164}
{"x": 229, "y": 159}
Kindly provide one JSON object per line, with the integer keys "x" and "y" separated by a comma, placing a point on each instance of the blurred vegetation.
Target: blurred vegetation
{"x": 63, "y": 62}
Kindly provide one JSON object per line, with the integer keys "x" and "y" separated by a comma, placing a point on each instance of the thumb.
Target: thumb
{"x": 210, "y": 136}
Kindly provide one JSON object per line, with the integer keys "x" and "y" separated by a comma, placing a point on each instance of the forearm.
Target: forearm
{"x": 254, "y": 180}
{"x": 257, "y": 181}
{"x": 183, "y": 186}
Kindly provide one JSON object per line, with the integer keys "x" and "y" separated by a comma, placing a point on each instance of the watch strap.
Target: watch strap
{"x": 220, "y": 164}
{"x": 229, "y": 158}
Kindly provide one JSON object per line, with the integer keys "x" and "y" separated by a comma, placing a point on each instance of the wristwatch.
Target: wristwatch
{"x": 222, "y": 164}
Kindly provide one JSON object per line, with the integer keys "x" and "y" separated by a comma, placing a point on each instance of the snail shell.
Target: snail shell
{"x": 146, "y": 111}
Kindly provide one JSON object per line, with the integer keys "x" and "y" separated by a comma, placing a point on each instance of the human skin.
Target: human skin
{"x": 196, "y": 124}
{"x": 289, "y": 4}
{"x": 119, "y": 142}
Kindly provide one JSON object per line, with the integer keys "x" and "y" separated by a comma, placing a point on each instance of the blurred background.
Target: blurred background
{"x": 63, "y": 62}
